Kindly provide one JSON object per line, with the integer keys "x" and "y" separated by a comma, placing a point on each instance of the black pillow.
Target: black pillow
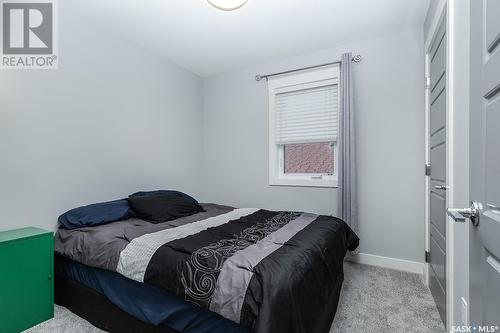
{"x": 157, "y": 192}
{"x": 163, "y": 207}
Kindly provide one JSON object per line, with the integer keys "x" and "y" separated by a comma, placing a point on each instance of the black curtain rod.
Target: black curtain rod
{"x": 356, "y": 59}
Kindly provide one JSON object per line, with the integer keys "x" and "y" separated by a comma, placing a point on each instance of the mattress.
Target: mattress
{"x": 145, "y": 302}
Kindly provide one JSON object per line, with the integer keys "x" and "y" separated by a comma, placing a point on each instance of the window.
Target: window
{"x": 303, "y": 122}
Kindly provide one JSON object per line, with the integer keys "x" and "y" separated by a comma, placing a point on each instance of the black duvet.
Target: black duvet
{"x": 269, "y": 271}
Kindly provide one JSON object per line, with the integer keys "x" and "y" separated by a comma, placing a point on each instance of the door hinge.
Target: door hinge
{"x": 427, "y": 82}
{"x": 427, "y": 169}
{"x": 427, "y": 256}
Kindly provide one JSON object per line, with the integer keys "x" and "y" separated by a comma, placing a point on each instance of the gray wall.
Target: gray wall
{"x": 389, "y": 103}
{"x": 115, "y": 119}
{"x": 112, "y": 120}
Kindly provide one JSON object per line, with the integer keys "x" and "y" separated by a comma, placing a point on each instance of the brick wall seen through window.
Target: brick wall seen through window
{"x": 309, "y": 158}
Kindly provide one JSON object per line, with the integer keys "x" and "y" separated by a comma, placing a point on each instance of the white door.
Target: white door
{"x": 484, "y": 213}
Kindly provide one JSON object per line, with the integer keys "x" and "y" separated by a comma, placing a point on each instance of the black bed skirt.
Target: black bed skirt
{"x": 98, "y": 310}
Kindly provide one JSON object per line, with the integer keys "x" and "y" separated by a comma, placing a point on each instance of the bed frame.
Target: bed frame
{"x": 98, "y": 310}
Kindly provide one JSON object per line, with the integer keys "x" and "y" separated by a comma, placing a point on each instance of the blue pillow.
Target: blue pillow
{"x": 162, "y": 192}
{"x": 96, "y": 214}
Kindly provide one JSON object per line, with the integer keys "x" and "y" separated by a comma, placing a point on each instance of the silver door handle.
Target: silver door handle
{"x": 441, "y": 187}
{"x": 461, "y": 214}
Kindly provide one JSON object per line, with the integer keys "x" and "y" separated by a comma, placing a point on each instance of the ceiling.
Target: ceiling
{"x": 207, "y": 41}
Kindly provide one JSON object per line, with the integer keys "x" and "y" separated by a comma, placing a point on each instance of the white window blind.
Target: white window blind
{"x": 307, "y": 115}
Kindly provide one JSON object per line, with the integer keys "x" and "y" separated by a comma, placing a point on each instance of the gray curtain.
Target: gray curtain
{"x": 347, "y": 204}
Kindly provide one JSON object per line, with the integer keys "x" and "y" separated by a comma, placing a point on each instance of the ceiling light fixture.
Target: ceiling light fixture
{"x": 227, "y": 4}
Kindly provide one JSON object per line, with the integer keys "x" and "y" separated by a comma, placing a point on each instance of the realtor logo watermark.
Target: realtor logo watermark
{"x": 28, "y": 34}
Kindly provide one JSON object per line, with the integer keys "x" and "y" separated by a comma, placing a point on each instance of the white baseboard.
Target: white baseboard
{"x": 387, "y": 262}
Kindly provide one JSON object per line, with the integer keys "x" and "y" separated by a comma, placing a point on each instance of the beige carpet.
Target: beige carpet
{"x": 373, "y": 300}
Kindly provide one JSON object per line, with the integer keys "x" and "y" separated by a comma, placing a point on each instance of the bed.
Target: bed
{"x": 222, "y": 269}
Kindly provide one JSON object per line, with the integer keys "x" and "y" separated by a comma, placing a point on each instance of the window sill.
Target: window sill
{"x": 333, "y": 183}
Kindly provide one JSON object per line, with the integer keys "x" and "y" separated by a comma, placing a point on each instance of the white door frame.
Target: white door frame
{"x": 457, "y": 125}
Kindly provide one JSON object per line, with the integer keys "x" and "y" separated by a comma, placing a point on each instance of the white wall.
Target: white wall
{"x": 389, "y": 103}
{"x": 458, "y": 37}
{"x": 112, "y": 120}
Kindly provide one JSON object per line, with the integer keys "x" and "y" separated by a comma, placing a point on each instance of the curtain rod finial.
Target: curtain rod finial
{"x": 258, "y": 78}
{"x": 356, "y": 58}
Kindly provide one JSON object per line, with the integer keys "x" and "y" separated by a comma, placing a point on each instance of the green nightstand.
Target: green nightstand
{"x": 26, "y": 278}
